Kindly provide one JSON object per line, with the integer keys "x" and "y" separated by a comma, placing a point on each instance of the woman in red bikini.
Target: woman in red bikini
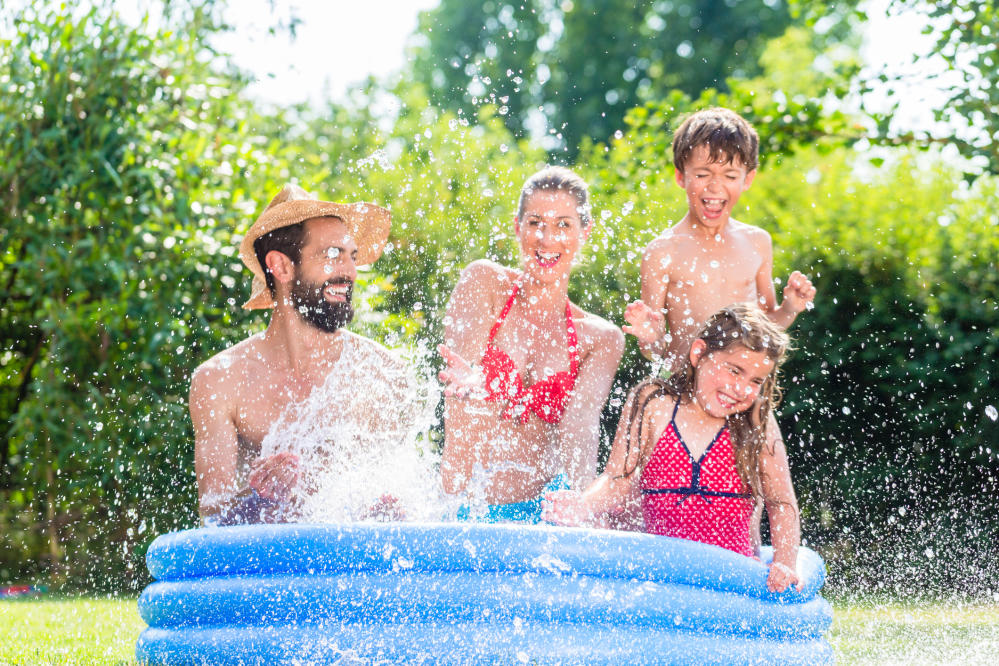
{"x": 691, "y": 451}
{"x": 527, "y": 371}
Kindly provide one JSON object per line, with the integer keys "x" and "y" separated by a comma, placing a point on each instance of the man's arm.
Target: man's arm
{"x": 579, "y": 429}
{"x": 216, "y": 447}
{"x": 216, "y": 452}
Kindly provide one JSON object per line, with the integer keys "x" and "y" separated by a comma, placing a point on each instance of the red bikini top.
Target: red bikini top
{"x": 547, "y": 397}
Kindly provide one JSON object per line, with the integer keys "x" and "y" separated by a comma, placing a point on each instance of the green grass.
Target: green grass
{"x": 887, "y": 632}
{"x": 104, "y": 631}
{"x": 69, "y": 631}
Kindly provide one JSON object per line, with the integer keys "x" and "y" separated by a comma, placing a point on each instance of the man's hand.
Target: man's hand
{"x": 275, "y": 476}
{"x": 646, "y": 324}
{"x": 461, "y": 379}
{"x": 799, "y": 292}
{"x": 385, "y": 509}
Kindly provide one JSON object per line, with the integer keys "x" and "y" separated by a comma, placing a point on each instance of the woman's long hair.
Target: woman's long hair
{"x": 740, "y": 324}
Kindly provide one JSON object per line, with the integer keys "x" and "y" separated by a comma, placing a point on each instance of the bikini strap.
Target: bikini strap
{"x": 573, "y": 341}
{"x": 505, "y": 311}
{"x": 672, "y": 419}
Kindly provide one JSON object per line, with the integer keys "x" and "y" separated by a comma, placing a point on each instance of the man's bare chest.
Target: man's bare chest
{"x": 260, "y": 404}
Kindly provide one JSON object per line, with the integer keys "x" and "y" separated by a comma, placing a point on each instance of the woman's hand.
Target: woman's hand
{"x": 461, "y": 379}
{"x": 781, "y": 577}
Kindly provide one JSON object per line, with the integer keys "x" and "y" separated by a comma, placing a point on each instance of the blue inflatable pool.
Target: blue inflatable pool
{"x": 469, "y": 593}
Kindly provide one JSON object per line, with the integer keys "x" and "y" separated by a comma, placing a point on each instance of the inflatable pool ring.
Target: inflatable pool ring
{"x": 469, "y": 593}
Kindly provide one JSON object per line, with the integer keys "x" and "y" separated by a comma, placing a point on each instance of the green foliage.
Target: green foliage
{"x": 966, "y": 33}
{"x": 127, "y": 162}
{"x": 887, "y": 396}
{"x": 585, "y": 63}
{"x": 130, "y": 162}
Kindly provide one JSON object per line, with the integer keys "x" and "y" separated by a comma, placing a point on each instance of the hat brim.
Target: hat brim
{"x": 367, "y": 223}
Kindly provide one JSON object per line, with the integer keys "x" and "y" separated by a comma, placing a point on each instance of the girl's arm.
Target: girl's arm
{"x": 615, "y": 490}
{"x": 782, "y": 510}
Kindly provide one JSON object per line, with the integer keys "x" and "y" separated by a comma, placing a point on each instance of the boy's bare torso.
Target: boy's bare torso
{"x": 695, "y": 275}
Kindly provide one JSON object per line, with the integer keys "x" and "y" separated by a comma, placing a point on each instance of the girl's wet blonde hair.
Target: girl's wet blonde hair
{"x": 740, "y": 324}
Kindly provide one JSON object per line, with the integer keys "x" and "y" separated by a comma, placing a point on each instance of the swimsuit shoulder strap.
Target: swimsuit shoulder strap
{"x": 505, "y": 311}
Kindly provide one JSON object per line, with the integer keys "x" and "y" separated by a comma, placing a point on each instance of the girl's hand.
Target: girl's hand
{"x": 781, "y": 577}
{"x": 566, "y": 507}
{"x": 645, "y": 322}
{"x": 273, "y": 477}
{"x": 461, "y": 379}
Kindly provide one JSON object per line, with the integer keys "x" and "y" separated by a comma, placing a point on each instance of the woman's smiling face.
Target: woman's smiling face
{"x": 550, "y": 233}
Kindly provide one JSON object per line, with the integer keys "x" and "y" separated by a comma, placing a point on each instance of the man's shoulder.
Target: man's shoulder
{"x": 365, "y": 345}
{"x": 241, "y": 360}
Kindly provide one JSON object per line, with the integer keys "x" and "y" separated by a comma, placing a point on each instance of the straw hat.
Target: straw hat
{"x": 368, "y": 224}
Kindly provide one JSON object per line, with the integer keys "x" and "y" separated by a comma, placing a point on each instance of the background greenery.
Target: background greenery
{"x": 131, "y": 160}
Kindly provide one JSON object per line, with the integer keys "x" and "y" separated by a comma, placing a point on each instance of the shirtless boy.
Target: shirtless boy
{"x": 709, "y": 260}
{"x": 304, "y": 255}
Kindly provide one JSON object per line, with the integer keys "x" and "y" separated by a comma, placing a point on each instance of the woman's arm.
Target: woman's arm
{"x": 467, "y": 320}
{"x": 579, "y": 429}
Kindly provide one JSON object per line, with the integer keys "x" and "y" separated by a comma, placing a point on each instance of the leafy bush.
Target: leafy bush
{"x": 130, "y": 162}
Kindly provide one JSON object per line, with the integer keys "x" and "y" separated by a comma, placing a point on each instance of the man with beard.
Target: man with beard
{"x": 304, "y": 255}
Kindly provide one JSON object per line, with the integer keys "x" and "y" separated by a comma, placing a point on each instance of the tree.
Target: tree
{"x": 967, "y": 39}
{"x": 573, "y": 69}
{"x": 127, "y": 159}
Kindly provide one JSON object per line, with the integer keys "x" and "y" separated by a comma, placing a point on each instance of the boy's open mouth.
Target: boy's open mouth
{"x": 713, "y": 205}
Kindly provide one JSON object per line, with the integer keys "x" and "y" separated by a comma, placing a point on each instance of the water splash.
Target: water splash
{"x": 362, "y": 438}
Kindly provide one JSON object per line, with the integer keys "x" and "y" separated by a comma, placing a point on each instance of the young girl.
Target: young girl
{"x": 694, "y": 450}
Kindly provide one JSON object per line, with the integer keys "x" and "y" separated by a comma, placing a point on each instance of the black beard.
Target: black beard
{"x": 316, "y": 310}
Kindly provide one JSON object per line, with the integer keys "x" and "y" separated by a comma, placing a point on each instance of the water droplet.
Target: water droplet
{"x": 846, "y": 410}
{"x": 991, "y": 412}
{"x": 714, "y": 263}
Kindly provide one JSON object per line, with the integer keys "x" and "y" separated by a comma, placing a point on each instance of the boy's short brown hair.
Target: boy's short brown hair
{"x": 726, "y": 134}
